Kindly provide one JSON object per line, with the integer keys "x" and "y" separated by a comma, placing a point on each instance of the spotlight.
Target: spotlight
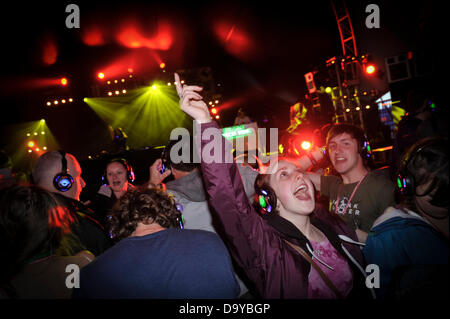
{"x": 43, "y": 133}
{"x": 358, "y": 108}
{"x": 42, "y": 120}
{"x": 328, "y": 90}
{"x": 85, "y": 99}
{"x": 217, "y": 101}
{"x": 123, "y": 80}
{"x": 214, "y": 111}
{"x": 217, "y": 117}
{"x": 210, "y": 103}
{"x": 109, "y": 82}
{"x": 35, "y": 133}
{"x": 109, "y": 93}
{"x": 101, "y": 75}
{"x": 124, "y": 91}
{"x": 347, "y": 110}
{"x": 64, "y": 81}
{"x": 130, "y": 70}
{"x": 63, "y": 101}
{"x": 28, "y": 134}
{"x": 44, "y": 148}
{"x": 117, "y": 92}
{"x": 30, "y": 144}
{"x": 70, "y": 100}
{"x": 162, "y": 65}
{"x": 37, "y": 149}
{"x": 306, "y": 145}
{"x": 49, "y": 103}
{"x": 370, "y": 69}
{"x": 29, "y": 151}
{"x": 367, "y": 107}
{"x": 154, "y": 87}
{"x": 115, "y": 81}
{"x": 55, "y": 102}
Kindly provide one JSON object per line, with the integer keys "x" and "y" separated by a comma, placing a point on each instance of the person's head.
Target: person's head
{"x": 347, "y": 148}
{"x": 143, "y": 206}
{"x": 287, "y": 190}
{"x": 51, "y": 169}
{"x": 423, "y": 176}
{"x": 179, "y": 155}
{"x": 32, "y": 221}
{"x": 119, "y": 174}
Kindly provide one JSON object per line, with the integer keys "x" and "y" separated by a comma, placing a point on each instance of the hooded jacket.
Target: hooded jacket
{"x": 258, "y": 245}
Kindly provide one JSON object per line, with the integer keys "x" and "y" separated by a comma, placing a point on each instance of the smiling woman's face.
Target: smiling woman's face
{"x": 294, "y": 190}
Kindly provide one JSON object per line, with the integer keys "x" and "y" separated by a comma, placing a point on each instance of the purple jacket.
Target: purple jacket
{"x": 275, "y": 268}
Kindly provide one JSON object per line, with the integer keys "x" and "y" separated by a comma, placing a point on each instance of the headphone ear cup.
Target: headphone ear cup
{"x": 266, "y": 200}
{"x": 366, "y": 151}
{"x": 105, "y": 180}
{"x": 63, "y": 182}
{"x": 130, "y": 174}
{"x": 405, "y": 183}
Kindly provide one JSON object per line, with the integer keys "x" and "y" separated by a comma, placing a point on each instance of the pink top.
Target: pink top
{"x": 341, "y": 276}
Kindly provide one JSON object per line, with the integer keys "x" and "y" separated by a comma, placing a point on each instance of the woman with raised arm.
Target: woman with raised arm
{"x": 291, "y": 252}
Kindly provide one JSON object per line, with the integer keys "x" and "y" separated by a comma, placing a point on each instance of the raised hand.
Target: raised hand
{"x": 191, "y": 102}
{"x": 155, "y": 172}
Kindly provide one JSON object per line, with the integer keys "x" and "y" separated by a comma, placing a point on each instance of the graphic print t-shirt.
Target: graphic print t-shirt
{"x": 372, "y": 197}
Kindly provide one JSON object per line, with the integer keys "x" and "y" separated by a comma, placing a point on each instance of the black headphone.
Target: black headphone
{"x": 265, "y": 198}
{"x": 63, "y": 181}
{"x": 366, "y": 150}
{"x": 130, "y": 173}
{"x": 165, "y": 163}
{"x": 180, "y": 219}
{"x": 405, "y": 180}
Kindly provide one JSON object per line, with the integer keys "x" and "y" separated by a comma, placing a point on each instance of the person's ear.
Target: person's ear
{"x": 278, "y": 205}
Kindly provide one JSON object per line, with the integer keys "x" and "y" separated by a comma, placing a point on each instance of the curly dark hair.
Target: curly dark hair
{"x": 142, "y": 205}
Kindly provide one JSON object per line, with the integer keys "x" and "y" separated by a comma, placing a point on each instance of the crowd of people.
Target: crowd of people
{"x": 221, "y": 229}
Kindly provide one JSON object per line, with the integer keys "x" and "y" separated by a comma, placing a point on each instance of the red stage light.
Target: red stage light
{"x": 49, "y": 51}
{"x": 214, "y": 111}
{"x": 64, "y": 81}
{"x": 100, "y": 75}
{"x": 162, "y": 65}
{"x": 93, "y": 36}
{"x": 370, "y": 69}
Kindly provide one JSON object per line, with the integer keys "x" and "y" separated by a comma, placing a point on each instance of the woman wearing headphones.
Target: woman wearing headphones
{"x": 291, "y": 252}
{"x": 117, "y": 180}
